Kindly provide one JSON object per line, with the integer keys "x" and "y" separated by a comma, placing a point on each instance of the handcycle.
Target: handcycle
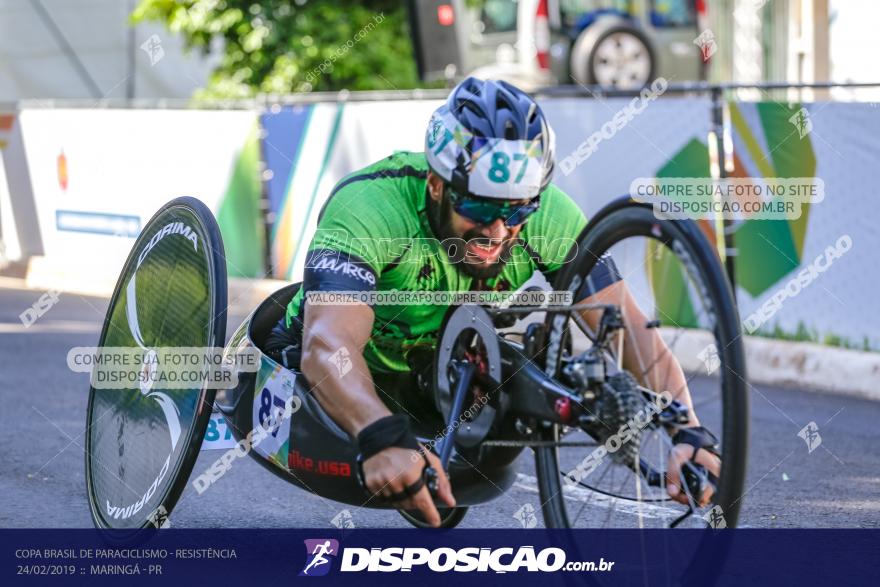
{"x": 504, "y": 379}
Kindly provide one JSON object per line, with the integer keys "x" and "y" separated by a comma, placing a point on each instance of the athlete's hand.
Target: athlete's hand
{"x": 678, "y": 456}
{"x": 393, "y": 469}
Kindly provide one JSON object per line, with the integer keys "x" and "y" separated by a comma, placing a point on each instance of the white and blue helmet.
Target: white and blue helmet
{"x": 491, "y": 139}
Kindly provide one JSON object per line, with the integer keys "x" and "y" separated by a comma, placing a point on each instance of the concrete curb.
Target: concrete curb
{"x": 806, "y": 366}
{"x": 814, "y": 367}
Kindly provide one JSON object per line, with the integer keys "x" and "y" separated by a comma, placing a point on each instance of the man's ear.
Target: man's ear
{"x": 435, "y": 186}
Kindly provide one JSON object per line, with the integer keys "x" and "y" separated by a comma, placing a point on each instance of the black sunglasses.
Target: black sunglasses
{"x": 488, "y": 210}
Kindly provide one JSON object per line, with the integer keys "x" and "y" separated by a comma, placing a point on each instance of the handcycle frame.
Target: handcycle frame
{"x": 525, "y": 405}
{"x": 480, "y": 469}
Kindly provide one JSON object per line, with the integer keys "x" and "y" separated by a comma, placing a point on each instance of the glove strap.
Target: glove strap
{"x": 387, "y": 432}
{"x": 698, "y": 437}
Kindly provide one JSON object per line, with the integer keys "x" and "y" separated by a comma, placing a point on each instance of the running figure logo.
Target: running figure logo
{"x": 715, "y": 518}
{"x": 317, "y": 552}
{"x": 707, "y": 45}
{"x": 810, "y": 434}
{"x": 801, "y": 121}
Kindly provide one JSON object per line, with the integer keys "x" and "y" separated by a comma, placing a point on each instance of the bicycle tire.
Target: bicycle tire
{"x": 619, "y": 220}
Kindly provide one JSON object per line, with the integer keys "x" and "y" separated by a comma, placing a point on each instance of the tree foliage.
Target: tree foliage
{"x": 279, "y": 47}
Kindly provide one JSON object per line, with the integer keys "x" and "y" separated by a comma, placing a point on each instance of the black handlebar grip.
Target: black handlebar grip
{"x": 696, "y": 478}
{"x": 430, "y": 477}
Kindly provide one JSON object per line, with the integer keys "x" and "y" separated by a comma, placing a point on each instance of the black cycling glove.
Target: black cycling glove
{"x": 387, "y": 432}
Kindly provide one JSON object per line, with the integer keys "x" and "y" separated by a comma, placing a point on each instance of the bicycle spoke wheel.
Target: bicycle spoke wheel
{"x": 680, "y": 335}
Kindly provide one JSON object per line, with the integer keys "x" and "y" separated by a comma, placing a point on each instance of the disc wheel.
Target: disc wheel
{"x": 143, "y": 435}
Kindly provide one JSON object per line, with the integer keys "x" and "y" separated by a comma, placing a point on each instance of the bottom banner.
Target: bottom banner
{"x": 398, "y": 557}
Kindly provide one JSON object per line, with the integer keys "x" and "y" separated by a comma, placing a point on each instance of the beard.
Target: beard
{"x": 440, "y": 216}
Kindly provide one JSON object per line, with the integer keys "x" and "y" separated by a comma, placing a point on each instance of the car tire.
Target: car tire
{"x": 620, "y": 42}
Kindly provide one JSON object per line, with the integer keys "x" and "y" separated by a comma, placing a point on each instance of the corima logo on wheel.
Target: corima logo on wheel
{"x": 170, "y": 411}
{"x": 170, "y": 228}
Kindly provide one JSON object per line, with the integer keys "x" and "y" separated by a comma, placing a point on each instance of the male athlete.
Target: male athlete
{"x": 476, "y": 211}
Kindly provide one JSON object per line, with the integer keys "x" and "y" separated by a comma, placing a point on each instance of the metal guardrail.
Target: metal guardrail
{"x": 696, "y": 88}
{"x": 268, "y": 101}
{"x": 258, "y": 103}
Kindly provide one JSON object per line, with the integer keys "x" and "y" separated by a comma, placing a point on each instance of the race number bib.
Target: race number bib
{"x": 274, "y": 387}
{"x": 218, "y": 436}
{"x": 507, "y": 169}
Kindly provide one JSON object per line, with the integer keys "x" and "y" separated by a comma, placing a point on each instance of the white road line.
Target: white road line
{"x": 49, "y": 326}
{"x": 625, "y": 506}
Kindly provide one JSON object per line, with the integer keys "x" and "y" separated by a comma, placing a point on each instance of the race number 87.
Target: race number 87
{"x": 214, "y": 426}
{"x": 499, "y": 172}
{"x": 267, "y": 401}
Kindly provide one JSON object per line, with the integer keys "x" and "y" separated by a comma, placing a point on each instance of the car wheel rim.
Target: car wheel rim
{"x": 621, "y": 60}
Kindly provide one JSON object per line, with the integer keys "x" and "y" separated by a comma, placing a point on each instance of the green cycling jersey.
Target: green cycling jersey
{"x": 379, "y": 215}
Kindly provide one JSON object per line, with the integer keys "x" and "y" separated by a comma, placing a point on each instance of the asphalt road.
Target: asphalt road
{"x": 42, "y": 421}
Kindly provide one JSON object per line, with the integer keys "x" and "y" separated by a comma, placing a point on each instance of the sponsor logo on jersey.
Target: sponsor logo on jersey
{"x": 346, "y": 268}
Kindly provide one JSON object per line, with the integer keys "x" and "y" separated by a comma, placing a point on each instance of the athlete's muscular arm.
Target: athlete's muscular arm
{"x": 350, "y": 250}
{"x": 347, "y": 395}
